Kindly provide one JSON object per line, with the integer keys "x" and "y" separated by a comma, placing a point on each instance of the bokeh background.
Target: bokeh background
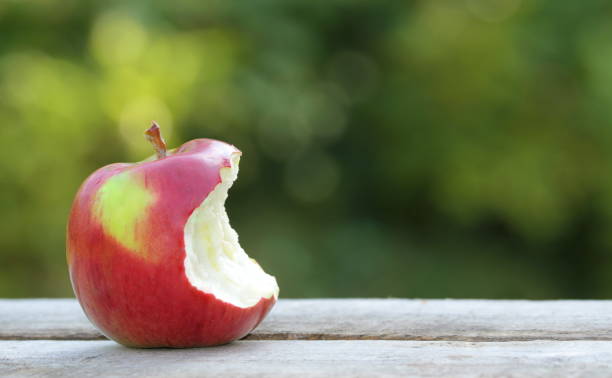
{"x": 458, "y": 148}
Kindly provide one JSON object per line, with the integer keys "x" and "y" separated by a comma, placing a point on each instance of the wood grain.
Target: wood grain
{"x": 356, "y": 319}
{"x": 328, "y": 358}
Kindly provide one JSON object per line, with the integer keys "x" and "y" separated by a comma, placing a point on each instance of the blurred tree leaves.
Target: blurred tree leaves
{"x": 425, "y": 148}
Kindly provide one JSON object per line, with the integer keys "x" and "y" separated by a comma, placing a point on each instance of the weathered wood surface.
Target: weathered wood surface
{"x": 300, "y": 358}
{"x": 357, "y": 319}
{"x": 332, "y": 337}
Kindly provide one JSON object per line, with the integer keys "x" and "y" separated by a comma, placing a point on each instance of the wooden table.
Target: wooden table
{"x": 331, "y": 338}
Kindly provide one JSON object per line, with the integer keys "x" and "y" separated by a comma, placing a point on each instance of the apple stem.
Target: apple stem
{"x": 153, "y": 135}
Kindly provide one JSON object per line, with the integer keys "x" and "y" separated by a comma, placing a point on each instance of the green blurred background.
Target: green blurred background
{"x": 457, "y": 148}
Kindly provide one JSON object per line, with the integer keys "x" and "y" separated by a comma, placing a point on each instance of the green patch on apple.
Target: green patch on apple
{"x": 121, "y": 205}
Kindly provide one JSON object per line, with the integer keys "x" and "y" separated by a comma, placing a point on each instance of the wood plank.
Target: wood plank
{"x": 458, "y": 320}
{"x": 357, "y": 319}
{"x": 357, "y": 358}
{"x": 24, "y": 319}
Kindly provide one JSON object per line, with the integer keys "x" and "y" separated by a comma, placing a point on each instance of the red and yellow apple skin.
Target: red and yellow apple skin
{"x": 126, "y": 252}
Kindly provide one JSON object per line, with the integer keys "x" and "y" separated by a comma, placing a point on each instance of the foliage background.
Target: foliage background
{"x": 458, "y": 148}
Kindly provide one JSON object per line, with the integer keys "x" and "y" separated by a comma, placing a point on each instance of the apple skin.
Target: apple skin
{"x": 126, "y": 261}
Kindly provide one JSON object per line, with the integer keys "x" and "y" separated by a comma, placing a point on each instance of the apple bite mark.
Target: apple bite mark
{"x": 215, "y": 262}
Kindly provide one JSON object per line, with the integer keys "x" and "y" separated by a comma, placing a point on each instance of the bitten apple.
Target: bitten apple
{"x": 152, "y": 257}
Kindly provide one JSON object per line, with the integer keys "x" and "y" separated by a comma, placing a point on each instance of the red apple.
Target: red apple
{"x": 153, "y": 259}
